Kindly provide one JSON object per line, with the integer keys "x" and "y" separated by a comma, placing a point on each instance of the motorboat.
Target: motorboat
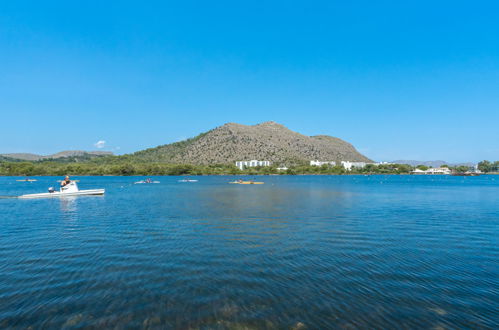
{"x": 246, "y": 182}
{"x": 70, "y": 189}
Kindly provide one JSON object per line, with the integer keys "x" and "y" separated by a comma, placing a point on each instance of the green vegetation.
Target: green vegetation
{"x": 461, "y": 169}
{"x": 121, "y": 166}
{"x": 487, "y": 167}
{"x": 163, "y": 153}
{"x": 96, "y": 168}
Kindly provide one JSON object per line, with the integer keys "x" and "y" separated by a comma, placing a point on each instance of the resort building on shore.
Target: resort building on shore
{"x": 349, "y": 165}
{"x": 439, "y": 170}
{"x": 251, "y": 163}
{"x": 319, "y": 163}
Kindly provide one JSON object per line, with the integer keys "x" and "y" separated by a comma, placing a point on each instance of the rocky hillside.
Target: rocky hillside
{"x": 62, "y": 154}
{"x": 267, "y": 141}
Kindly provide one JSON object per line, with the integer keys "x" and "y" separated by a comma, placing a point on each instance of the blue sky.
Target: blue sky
{"x": 398, "y": 79}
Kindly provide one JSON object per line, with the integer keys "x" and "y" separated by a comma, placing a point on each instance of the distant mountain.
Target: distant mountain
{"x": 430, "y": 163}
{"x": 62, "y": 154}
{"x": 22, "y": 156}
{"x": 267, "y": 141}
{"x": 7, "y": 159}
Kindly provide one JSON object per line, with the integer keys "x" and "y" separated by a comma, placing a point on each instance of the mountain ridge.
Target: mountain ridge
{"x": 61, "y": 154}
{"x": 265, "y": 141}
{"x": 430, "y": 163}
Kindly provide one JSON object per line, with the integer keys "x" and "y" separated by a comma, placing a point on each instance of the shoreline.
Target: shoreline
{"x": 237, "y": 175}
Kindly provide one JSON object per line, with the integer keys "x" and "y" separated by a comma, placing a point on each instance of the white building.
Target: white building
{"x": 439, "y": 170}
{"x": 349, "y": 165}
{"x": 282, "y": 168}
{"x": 476, "y": 170}
{"x": 319, "y": 163}
{"x": 252, "y": 163}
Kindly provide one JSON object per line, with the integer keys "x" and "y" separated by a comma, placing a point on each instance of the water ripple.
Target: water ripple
{"x": 296, "y": 253}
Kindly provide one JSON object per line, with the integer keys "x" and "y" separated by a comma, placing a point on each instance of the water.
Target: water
{"x": 298, "y": 252}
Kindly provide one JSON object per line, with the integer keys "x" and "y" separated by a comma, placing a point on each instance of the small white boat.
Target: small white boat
{"x": 187, "y": 180}
{"x": 146, "y": 181}
{"x": 66, "y": 191}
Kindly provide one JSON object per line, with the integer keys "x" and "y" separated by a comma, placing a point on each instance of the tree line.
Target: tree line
{"x": 487, "y": 166}
{"x": 36, "y": 168}
{"x": 99, "y": 167}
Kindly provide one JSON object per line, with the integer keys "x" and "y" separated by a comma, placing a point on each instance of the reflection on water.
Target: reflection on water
{"x": 297, "y": 252}
{"x": 268, "y": 212}
{"x": 68, "y": 205}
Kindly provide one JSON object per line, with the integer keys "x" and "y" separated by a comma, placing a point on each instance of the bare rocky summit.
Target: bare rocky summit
{"x": 267, "y": 141}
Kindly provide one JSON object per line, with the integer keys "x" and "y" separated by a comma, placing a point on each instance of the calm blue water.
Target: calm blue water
{"x": 298, "y": 252}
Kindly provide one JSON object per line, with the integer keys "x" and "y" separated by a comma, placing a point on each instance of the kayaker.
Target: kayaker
{"x": 66, "y": 181}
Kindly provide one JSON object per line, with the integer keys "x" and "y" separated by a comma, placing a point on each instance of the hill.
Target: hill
{"x": 8, "y": 159}
{"x": 62, "y": 154}
{"x": 267, "y": 141}
{"x": 429, "y": 163}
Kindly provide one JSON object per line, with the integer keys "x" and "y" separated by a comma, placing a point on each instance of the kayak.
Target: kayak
{"x": 143, "y": 181}
{"x": 27, "y": 180}
{"x": 67, "y": 191}
{"x": 64, "y": 194}
{"x": 246, "y": 182}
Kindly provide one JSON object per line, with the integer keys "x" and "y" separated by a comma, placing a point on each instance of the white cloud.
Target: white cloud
{"x": 100, "y": 144}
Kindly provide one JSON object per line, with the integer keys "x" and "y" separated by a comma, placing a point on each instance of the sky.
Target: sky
{"x": 397, "y": 79}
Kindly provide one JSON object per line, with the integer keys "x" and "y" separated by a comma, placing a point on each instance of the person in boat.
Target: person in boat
{"x": 148, "y": 180}
{"x": 66, "y": 181}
